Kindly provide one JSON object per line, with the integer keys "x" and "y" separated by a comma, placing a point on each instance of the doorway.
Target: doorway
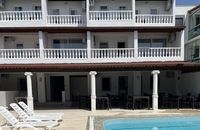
{"x": 123, "y": 89}
{"x": 57, "y": 86}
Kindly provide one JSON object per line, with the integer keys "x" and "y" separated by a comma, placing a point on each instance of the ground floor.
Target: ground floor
{"x": 139, "y": 89}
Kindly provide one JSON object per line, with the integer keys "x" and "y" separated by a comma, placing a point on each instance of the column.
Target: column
{"x": 182, "y": 40}
{"x": 29, "y": 89}
{"x": 2, "y": 42}
{"x": 173, "y": 11}
{"x": 41, "y": 87}
{"x": 133, "y": 11}
{"x": 44, "y": 10}
{"x": 41, "y": 43}
{"x": 135, "y": 44}
{"x": 89, "y": 44}
{"x": 155, "y": 89}
{"x": 93, "y": 90}
{"x": 87, "y": 11}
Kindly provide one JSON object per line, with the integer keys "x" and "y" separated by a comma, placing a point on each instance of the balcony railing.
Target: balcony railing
{"x": 19, "y": 53}
{"x": 159, "y": 52}
{"x": 113, "y": 53}
{"x": 66, "y": 19}
{"x": 20, "y": 15}
{"x": 96, "y": 55}
{"x": 110, "y": 15}
{"x": 194, "y": 32}
{"x": 65, "y": 53}
{"x": 154, "y": 19}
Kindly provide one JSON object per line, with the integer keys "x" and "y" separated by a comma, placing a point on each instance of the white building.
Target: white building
{"x": 80, "y": 50}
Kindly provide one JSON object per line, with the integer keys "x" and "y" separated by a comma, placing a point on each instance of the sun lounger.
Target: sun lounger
{"x": 16, "y": 124}
{"x": 25, "y": 117}
{"x": 30, "y": 112}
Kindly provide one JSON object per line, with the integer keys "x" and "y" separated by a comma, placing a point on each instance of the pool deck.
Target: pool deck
{"x": 77, "y": 119}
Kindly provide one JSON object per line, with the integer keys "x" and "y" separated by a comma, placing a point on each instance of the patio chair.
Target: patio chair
{"x": 25, "y": 117}
{"x": 16, "y": 124}
{"x": 30, "y": 112}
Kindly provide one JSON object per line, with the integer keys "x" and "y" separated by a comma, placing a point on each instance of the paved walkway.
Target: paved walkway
{"x": 76, "y": 119}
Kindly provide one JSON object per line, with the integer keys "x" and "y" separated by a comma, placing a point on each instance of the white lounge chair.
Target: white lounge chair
{"x": 30, "y": 112}
{"x": 16, "y": 124}
{"x": 25, "y": 117}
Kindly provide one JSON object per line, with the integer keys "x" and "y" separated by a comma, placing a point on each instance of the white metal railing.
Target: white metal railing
{"x": 112, "y": 53}
{"x": 19, "y": 53}
{"x": 159, "y": 52}
{"x": 110, "y": 15}
{"x": 154, "y": 19}
{"x": 65, "y": 53}
{"x": 20, "y": 15}
{"x": 65, "y": 19}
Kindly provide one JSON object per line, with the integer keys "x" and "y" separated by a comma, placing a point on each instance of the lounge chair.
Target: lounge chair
{"x": 16, "y": 124}
{"x": 30, "y": 112}
{"x": 25, "y": 117}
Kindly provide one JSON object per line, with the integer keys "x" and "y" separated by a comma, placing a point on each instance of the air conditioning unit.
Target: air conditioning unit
{"x": 2, "y": 3}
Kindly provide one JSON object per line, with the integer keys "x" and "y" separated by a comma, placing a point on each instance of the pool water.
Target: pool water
{"x": 159, "y": 123}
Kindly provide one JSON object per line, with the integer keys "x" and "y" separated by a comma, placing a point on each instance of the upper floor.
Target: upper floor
{"x": 89, "y": 13}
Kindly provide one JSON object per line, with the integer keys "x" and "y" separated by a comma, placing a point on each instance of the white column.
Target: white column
{"x": 44, "y": 10}
{"x": 29, "y": 89}
{"x": 41, "y": 87}
{"x": 89, "y": 44}
{"x": 182, "y": 33}
{"x": 135, "y": 44}
{"x": 155, "y": 89}
{"x": 173, "y": 11}
{"x": 87, "y": 11}
{"x": 133, "y": 11}
{"x": 93, "y": 90}
{"x": 41, "y": 43}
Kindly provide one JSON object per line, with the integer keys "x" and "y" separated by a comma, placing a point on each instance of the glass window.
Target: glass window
{"x": 103, "y": 8}
{"x": 136, "y": 11}
{"x": 56, "y": 43}
{"x": 153, "y": 11}
{"x": 18, "y": 8}
{"x": 20, "y": 46}
{"x": 197, "y": 19}
{"x": 105, "y": 84}
{"x": 122, "y": 7}
{"x": 103, "y": 45}
{"x": 73, "y": 12}
{"x": 55, "y": 12}
{"x": 37, "y": 8}
{"x": 144, "y": 43}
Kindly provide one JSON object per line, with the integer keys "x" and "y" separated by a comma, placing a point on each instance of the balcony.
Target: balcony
{"x": 126, "y": 18}
{"x": 194, "y": 32}
{"x": 95, "y": 55}
{"x": 13, "y": 18}
{"x": 66, "y": 20}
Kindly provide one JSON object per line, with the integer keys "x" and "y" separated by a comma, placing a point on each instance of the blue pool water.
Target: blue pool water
{"x": 159, "y": 123}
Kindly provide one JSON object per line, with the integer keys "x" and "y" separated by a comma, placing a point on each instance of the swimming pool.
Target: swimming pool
{"x": 158, "y": 123}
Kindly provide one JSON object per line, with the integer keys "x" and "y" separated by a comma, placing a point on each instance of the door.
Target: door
{"x": 123, "y": 90}
{"x": 57, "y": 86}
{"x": 121, "y": 51}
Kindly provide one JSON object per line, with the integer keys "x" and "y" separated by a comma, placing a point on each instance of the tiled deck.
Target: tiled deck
{"x": 76, "y": 119}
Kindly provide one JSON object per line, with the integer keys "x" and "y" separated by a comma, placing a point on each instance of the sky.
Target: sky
{"x": 188, "y": 2}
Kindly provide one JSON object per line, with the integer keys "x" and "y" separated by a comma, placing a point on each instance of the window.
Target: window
{"x": 136, "y": 11}
{"x": 55, "y": 12}
{"x": 103, "y": 8}
{"x": 122, "y": 8}
{"x": 153, "y": 11}
{"x": 19, "y": 46}
{"x": 103, "y": 45}
{"x": 105, "y": 84}
{"x": 73, "y": 12}
{"x": 68, "y": 43}
{"x": 152, "y": 42}
{"x": 37, "y": 8}
{"x": 18, "y": 8}
{"x": 197, "y": 19}
{"x": 21, "y": 84}
{"x": 56, "y": 43}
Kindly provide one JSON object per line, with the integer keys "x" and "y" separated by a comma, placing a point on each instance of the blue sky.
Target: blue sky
{"x": 188, "y": 2}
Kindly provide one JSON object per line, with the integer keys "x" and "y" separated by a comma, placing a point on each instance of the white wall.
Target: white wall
{"x": 66, "y": 6}
{"x": 25, "y": 4}
{"x": 145, "y": 6}
{"x": 29, "y": 40}
{"x": 112, "y": 4}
